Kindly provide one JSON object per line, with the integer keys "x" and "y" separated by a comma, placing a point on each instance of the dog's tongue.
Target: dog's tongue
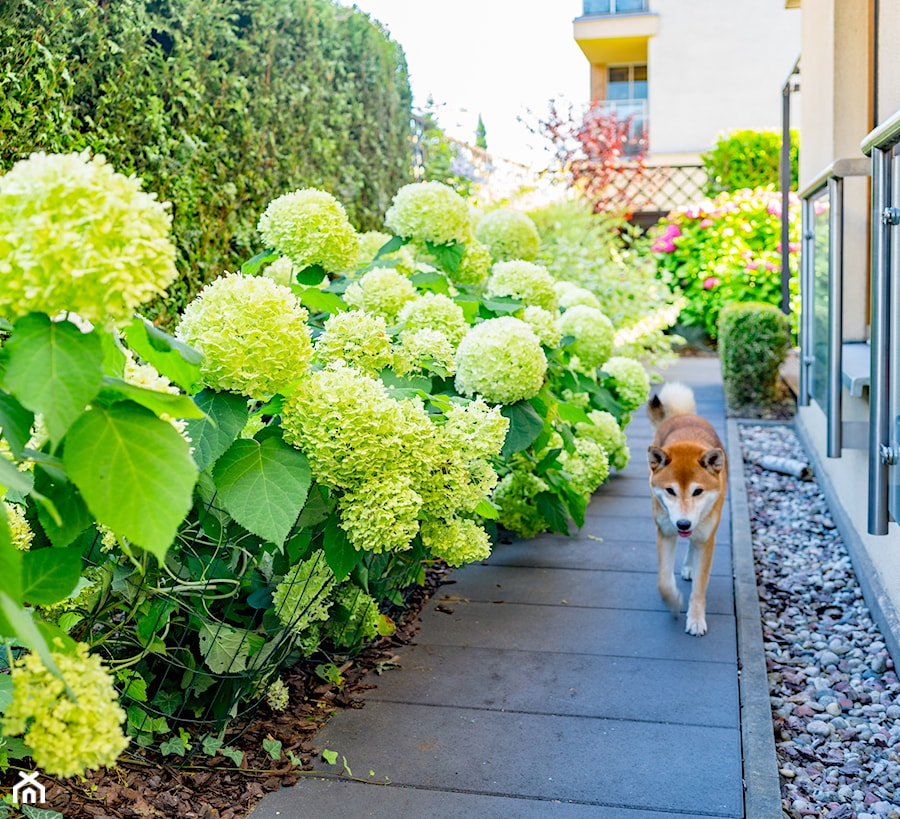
{"x": 685, "y": 534}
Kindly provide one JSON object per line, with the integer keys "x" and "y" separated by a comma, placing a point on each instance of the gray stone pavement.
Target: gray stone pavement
{"x": 551, "y": 681}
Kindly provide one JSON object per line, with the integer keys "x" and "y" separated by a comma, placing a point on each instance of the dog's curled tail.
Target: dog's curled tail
{"x": 673, "y": 399}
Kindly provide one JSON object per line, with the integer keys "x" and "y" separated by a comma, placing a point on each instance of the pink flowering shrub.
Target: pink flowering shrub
{"x": 725, "y": 250}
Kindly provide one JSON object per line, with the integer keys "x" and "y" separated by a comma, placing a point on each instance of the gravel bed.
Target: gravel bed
{"x": 834, "y": 691}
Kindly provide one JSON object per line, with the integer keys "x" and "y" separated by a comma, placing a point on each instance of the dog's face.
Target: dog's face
{"x": 687, "y": 481}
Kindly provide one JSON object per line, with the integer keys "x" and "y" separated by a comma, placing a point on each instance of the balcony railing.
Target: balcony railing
{"x": 632, "y": 112}
{"x": 600, "y": 7}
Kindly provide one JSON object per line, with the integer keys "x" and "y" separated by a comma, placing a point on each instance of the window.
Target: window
{"x": 614, "y": 6}
{"x": 626, "y": 82}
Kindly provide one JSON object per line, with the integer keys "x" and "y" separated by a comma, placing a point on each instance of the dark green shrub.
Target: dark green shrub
{"x": 748, "y": 159}
{"x": 220, "y": 105}
{"x": 753, "y": 344}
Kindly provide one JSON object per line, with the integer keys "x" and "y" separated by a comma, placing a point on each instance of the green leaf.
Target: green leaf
{"x": 226, "y": 416}
{"x": 272, "y": 747}
{"x": 321, "y": 301}
{"x": 15, "y": 621}
{"x": 329, "y": 756}
{"x": 400, "y": 387}
{"x": 502, "y": 305}
{"x": 31, "y": 812}
{"x": 10, "y": 569}
{"x": 132, "y": 685}
{"x": 252, "y": 266}
{"x": 50, "y": 575}
{"x": 553, "y": 511}
{"x": 548, "y": 461}
{"x": 311, "y": 274}
{"x": 53, "y": 368}
{"x": 448, "y": 256}
{"x": 174, "y": 746}
{"x": 134, "y": 472}
{"x": 15, "y": 421}
{"x": 391, "y": 246}
{"x": 572, "y": 414}
{"x": 114, "y": 357}
{"x": 431, "y": 281}
{"x": 236, "y": 756}
{"x": 12, "y": 478}
{"x": 226, "y": 650}
{"x": 172, "y": 358}
{"x": 487, "y": 509}
{"x": 6, "y": 689}
{"x": 524, "y": 427}
{"x": 263, "y": 486}
{"x": 340, "y": 555}
{"x": 63, "y": 514}
{"x": 211, "y": 745}
{"x": 176, "y": 406}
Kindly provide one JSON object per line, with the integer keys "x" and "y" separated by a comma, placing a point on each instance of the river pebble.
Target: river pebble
{"x": 834, "y": 691}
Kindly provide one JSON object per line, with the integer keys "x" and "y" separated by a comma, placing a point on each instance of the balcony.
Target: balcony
{"x": 594, "y": 8}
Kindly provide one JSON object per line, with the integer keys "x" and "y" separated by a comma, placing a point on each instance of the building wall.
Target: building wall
{"x": 717, "y": 65}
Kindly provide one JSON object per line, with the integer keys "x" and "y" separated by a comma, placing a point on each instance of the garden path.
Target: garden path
{"x": 550, "y": 680}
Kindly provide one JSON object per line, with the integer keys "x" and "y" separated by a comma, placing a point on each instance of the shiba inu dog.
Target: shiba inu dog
{"x": 688, "y": 481}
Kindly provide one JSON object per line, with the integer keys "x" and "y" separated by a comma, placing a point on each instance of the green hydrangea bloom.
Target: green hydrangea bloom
{"x": 382, "y": 291}
{"x": 605, "y": 430}
{"x": 429, "y": 212}
{"x": 422, "y": 350}
{"x": 630, "y": 381}
{"x": 20, "y": 531}
{"x": 77, "y": 236}
{"x": 457, "y": 540}
{"x": 303, "y": 596}
{"x": 543, "y": 323}
{"x": 278, "y": 695}
{"x": 528, "y": 282}
{"x": 311, "y": 227}
{"x": 475, "y": 429}
{"x": 576, "y": 399}
{"x": 67, "y": 737}
{"x": 402, "y": 260}
{"x": 587, "y": 467}
{"x": 358, "y": 338}
{"x": 281, "y": 271}
{"x": 509, "y": 234}
{"x": 381, "y": 515}
{"x": 502, "y": 360}
{"x": 435, "y": 311}
{"x": 515, "y": 495}
{"x": 593, "y": 332}
{"x": 354, "y": 617}
{"x": 570, "y": 294}
{"x": 252, "y": 333}
{"x": 475, "y": 266}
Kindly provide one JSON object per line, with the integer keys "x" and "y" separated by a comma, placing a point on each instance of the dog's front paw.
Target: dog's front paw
{"x": 696, "y": 625}
{"x": 673, "y": 599}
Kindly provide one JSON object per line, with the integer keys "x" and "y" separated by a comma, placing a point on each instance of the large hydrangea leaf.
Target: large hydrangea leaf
{"x": 134, "y": 471}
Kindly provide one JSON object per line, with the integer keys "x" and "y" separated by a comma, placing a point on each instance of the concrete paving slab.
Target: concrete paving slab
{"x": 315, "y": 798}
{"x": 556, "y": 683}
{"x": 592, "y": 761}
{"x": 576, "y": 630}
{"x": 573, "y": 587}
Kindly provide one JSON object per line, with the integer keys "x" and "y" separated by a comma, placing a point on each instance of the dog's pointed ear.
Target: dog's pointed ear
{"x": 713, "y": 460}
{"x": 657, "y": 458}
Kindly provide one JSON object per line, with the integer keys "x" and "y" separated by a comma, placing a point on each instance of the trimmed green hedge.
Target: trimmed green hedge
{"x": 219, "y": 105}
{"x": 748, "y": 159}
{"x": 753, "y": 344}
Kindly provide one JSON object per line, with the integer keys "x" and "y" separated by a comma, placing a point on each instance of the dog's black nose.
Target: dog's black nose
{"x": 683, "y": 525}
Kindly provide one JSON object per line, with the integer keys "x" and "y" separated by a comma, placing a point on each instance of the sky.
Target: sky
{"x": 499, "y": 58}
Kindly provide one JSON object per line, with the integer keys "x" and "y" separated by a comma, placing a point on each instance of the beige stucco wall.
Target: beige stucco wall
{"x": 888, "y": 74}
{"x": 719, "y": 67}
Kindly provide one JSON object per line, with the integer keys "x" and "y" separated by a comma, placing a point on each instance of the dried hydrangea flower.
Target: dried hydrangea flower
{"x": 311, "y": 227}
{"x": 502, "y": 360}
{"x": 77, "y": 236}
{"x": 593, "y": 333}
{"x": 528, "y": 282}
{"x": 429, "y": 212}
{"x": 252, "y": 334}
{"x": 67, "y": 737}
{"x": 509, "y": 234}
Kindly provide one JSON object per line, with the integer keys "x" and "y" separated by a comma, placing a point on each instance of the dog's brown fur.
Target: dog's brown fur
{"x": 688, "y": 481}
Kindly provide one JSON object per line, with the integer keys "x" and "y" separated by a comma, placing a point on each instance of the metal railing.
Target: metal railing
{"x": 885, "y": 216}
{"x": 830, "y": 183}
{"x": 599, "y": 7}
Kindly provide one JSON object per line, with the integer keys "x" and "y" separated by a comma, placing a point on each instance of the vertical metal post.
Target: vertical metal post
{"x": 806, "y": 300}
{"x": 785, "y": 174}
{"x": 879, "y": 388}
{"x": 834, "y": 397}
